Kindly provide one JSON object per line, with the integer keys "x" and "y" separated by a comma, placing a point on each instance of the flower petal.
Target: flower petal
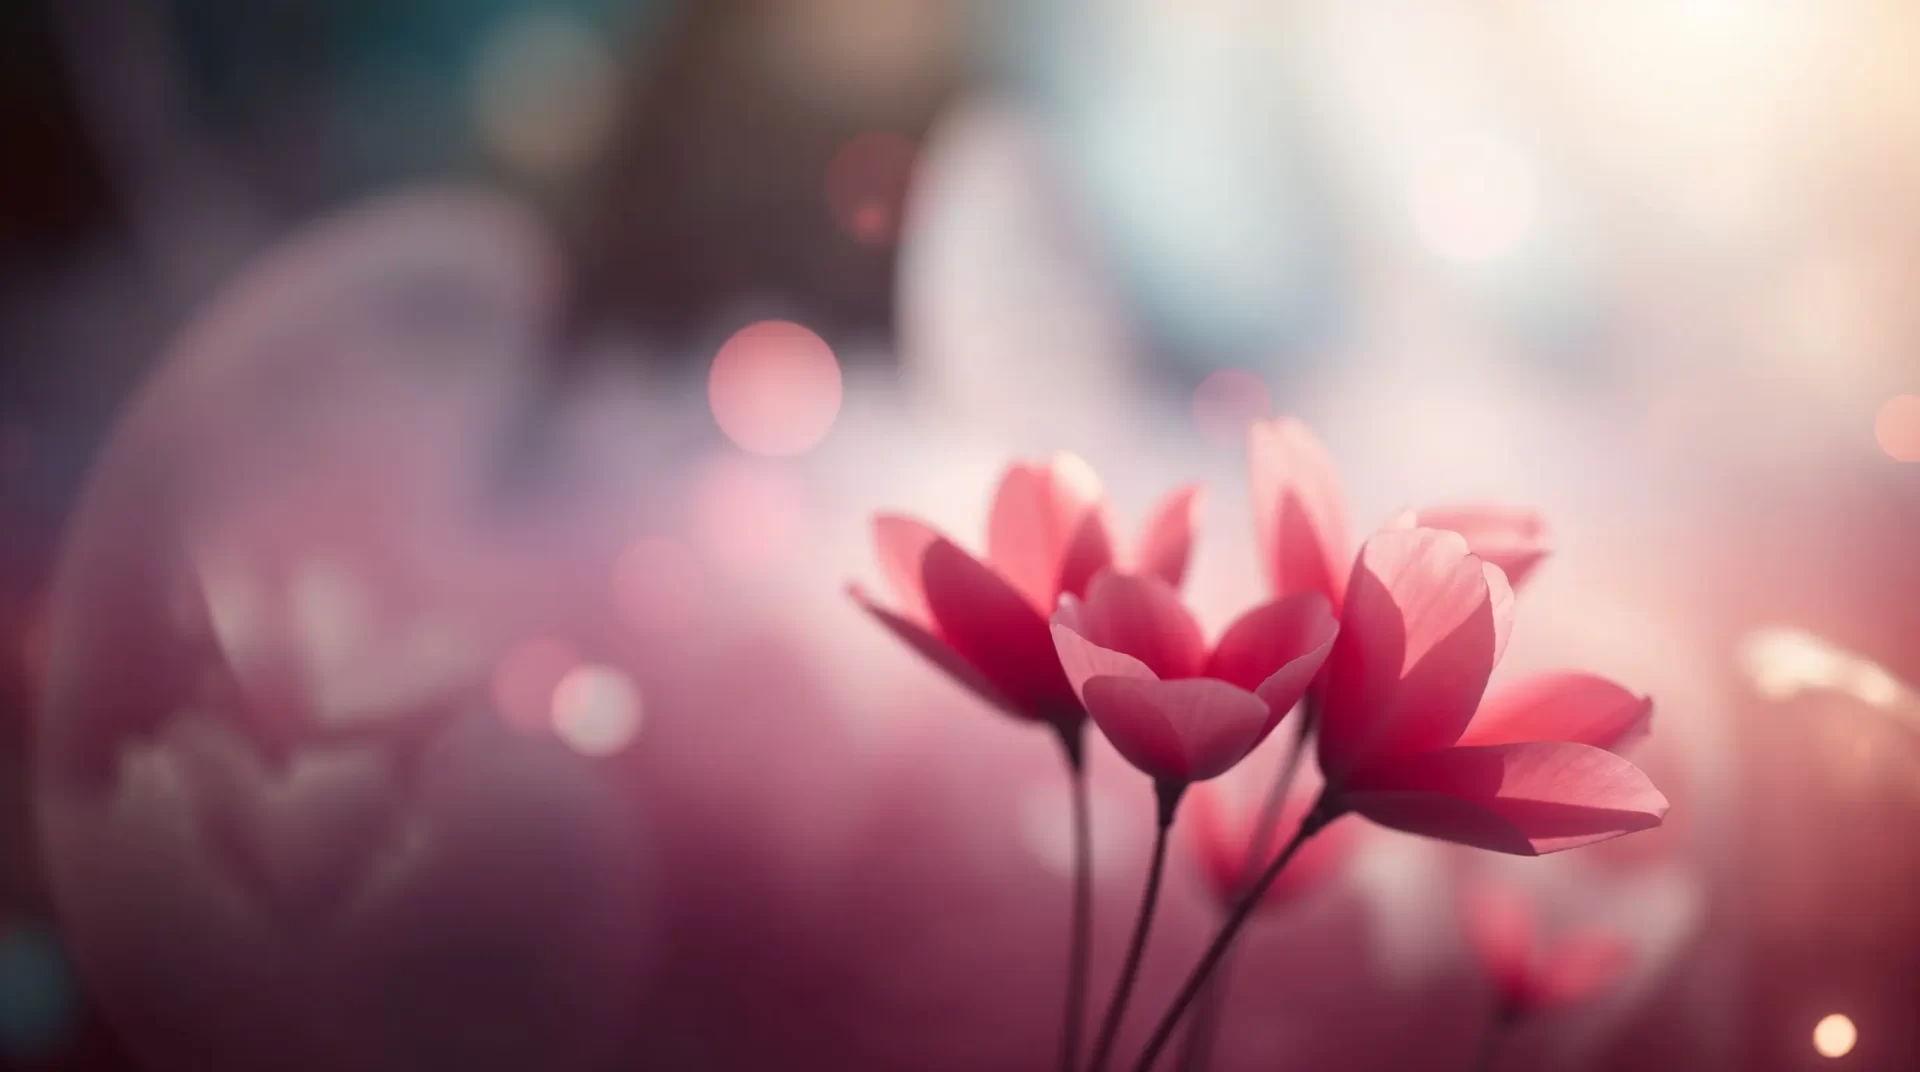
{"x": 1511, "y": 538}
{"x": 1418, "y": 639}
{"x": 1561, "y": 706}
{"x": 1299, "y": 511}
{"x": 1081, "y": 658}
{"x": 1047, "y": 530}
{"x": 1167, "y": 540}
{"x": 901, "y": 543}
{"x": 1143, "y": 617}
{"x": 1275, "y": 649}
{"x": 995, "y": 629}
{"x": 937, "y": 652}
{"x": 1526, "y": 799}
{"x": 1178, "y": 731}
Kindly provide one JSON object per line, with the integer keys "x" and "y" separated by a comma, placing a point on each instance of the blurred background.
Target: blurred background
{"x": 435, "y": 438}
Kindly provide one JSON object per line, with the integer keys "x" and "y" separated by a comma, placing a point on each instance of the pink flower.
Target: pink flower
{"x": 1300, "y": 517}
{"x": 985, "y": 623}
{"x": 1222, "y": 830}
{"x": 1405, "y": 740}
{"x": 1529, "y": 973}
{"x": 1175, "y": 708}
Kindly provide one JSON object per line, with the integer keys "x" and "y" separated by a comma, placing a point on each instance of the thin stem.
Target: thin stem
{"x": 1203, "y": 1027}
{"x": 1169, "y": 798}
{"x": 1197, "y": 1051}
{"x": 1324, "y": 811}
{"x": 1268, "y": 824}
{"x": 1080, "y": 941}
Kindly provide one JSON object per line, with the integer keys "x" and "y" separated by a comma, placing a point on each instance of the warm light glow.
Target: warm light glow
{"x": 1473, "y": 199}
{"x": 1782, "y": 663}
{"x": 1897, "y": 428}
{"x": 526, "y": 679}
{"x": 596, "y": 710}
{"x": 1834, "y": 1036}
{"x": 867, "y": 185}
{"x": 543, "y": 93}
{"x": 774, "y": 388}
{"x": 1226, "y": 402}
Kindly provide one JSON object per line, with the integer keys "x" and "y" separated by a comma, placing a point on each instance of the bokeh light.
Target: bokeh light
{"x": 1473, "y": 199}
{"x": 596, "y": 710}
{"x": 543, "y": 93}
{"x": 867, "y": 182}
{"x": 525, "y": 680}
{"x": 1897, "y": 428}
{"x": 1226, "y": 402}
{"x": 774, "y": 388}
{"x": 1835, "y": 1036}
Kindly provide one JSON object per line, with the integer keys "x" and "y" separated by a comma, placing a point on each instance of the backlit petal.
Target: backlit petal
{"x": 1179, "y": 731}
{"x": 937, "y": 652}
{"x": 1143, "y": 617}
{"x": 996, "y": 630}
{"x": 1560, "y": 706}
{"x": 901, "y": 543}
{"x": 1275, "y": 649}
{"x": 1166, "y": 543}
{"x": 1514, "y": 539}
{"x": 1417, "y": 641}
{"x": 1526, "y": 799}
{"x": 1299, "y": 510}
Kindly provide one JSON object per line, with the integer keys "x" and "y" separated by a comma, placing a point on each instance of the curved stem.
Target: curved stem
{"x": 1261, "y": 843}
{"x": 1080, "y": 940}
{"x": 1324, "y": 811}
{"x": 1197, "y": 1051}
{"x": 1169, "y": 798}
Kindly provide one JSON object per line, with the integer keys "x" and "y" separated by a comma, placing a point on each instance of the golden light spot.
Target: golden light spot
{"x": 1834, "y": 1036}
{"x": 774, "y": 388}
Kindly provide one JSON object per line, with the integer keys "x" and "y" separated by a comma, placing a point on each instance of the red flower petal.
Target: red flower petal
{"x": 1561, "y": 706}
{"x": 1167, "y": 541}
{"x": 1418, "y": 638}
{"x": 1178, "y": 731}
{"x": 1526, "y": 799}
{"x": 995, "y": 629}
{"x": 901, "y": 543}
{"x": 937, "y": 652}
{"x": 1511, "y": 538}
{"x": 1081, "y": 658}
{"x": 1047, "y": 530}
{"x": 1299, "y": 511}
{"x": 1275, "y": 649}
{"x": 1143, "y": 617}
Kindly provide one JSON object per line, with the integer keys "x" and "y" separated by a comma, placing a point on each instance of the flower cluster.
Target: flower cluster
{"x": 1386, "y": 652}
